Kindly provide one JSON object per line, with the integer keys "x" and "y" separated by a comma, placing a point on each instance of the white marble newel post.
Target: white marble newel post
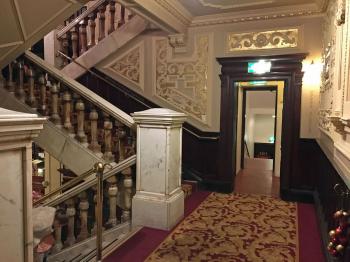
{"x": 159, "y": 199}
{"x": 16, "y": 231}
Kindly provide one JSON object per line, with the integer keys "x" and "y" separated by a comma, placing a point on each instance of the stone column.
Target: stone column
{"x": 16, "y": 231}
{"x": 159, "y": 199}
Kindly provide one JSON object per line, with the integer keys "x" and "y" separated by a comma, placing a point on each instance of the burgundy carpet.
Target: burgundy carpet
{"x": 146, "y": 240}
{"x": 140, "y": 246}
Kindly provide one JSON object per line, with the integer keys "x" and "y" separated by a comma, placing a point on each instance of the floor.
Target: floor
{"x": 257, "y": 178}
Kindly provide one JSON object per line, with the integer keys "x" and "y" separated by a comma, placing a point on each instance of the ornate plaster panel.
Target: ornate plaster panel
{"x": 183, "y": 82}
{"x": 130, "y": 65}
{"x": 284, "y": 38}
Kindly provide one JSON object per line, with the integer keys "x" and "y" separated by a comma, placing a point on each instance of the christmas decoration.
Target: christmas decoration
{"x": 339, "y": 237}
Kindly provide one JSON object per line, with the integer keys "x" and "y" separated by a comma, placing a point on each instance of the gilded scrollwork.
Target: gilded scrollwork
{"x": 128, "y": 66}
{"x": 262, "y": 40}
{"x": 183, "y": 82}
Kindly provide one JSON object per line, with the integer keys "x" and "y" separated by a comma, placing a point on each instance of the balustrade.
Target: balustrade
{"x": 91, "y": 123}
{"x": 79, "y": 34}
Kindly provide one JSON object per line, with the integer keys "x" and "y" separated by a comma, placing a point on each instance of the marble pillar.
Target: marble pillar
{"x": 159, "y": 199}
{"x": 16, "y": 231}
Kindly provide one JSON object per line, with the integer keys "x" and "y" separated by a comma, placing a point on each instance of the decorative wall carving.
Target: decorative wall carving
{"x": 183, "y": 82}
{"x": 129, "y": 65}
{"x": 324, "y": 120}
{"x": 286, "y": 38}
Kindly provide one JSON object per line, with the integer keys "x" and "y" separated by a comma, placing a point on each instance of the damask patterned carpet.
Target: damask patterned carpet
{"x": 234, "y": 227}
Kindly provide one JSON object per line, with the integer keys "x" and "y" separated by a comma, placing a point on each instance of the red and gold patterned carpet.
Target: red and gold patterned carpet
{"x": 234, "y": 227}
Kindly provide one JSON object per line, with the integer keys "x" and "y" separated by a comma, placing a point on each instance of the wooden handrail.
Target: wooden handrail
{"x": 88, "y": 183}
{"x": 77, "y": 20}
{"x": 83, "y": 91}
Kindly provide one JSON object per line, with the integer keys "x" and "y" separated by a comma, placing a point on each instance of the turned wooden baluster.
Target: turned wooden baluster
{"x": 130, "y": 14}
{"x": 84, "y": 208}
{"x": 58, "y": 237}
{"x": 74, "y": 38}
{"x": 94, "y": 145}
{"x": 31, "y": 98}
{"x": 67, "y": 112}
{"x": 112, "y": 194}
{"x": 81, "y": 136}
{"x": 71, "y": 217}
{"x": 107, "y": 126}
{"x": 55, "y": 117}
{"x": 42, "y": 84}
{"x": 83, "y": 36}
{"x": 111, "y": 27}
{"x": 101, "y": 22}
{"x": 20, "y": 90}
{"x": 92, "y": 25}
{"x": 93, "y": 230}
{"x": 120, "y": 135}
{"x": 121, "y": 20}
{"x": 127, "y": 194}
{"x": 10, "y": 83}
{"x": 64, "y": 46}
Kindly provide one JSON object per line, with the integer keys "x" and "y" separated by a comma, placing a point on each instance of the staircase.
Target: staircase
{"x": 89, "y": 135}
{"x": 81, "y": 130}
{"x": 112, "y": 23}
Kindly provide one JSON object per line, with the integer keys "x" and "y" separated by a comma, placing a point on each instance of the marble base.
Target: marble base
{"x": 157, "y": 211}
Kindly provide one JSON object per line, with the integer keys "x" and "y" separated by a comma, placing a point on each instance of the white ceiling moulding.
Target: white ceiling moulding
{"x": 230, "y": 5}
{"x": 260, "y": 15}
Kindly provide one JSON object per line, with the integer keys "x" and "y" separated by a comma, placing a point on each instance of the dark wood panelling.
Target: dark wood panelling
{"x": 199, "y": 148}
{"x": 326, "y": 200}
{"x": 285, "y": 68}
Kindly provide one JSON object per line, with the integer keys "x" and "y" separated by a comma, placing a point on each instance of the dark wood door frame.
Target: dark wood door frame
{"x": 287, "y": 68}
{"x": 244, "y": 105}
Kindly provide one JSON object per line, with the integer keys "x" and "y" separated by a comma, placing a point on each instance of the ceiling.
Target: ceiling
{"x": 23, "y": 22}
{"x": 216, "y": 7}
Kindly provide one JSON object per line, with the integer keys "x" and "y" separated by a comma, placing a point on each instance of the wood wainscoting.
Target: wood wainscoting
{"x": 199, "y": 148}
{"x": 327, "y": 201}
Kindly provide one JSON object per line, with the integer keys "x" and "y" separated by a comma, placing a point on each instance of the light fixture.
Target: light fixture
{"x": 312, "y": 73}
{"x": 260, "y": 67}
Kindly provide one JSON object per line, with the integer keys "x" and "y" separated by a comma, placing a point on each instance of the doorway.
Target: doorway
{"x": 259, "y": 122}
{"x": 285, "y": 68}
{"x": 258, "y": 134}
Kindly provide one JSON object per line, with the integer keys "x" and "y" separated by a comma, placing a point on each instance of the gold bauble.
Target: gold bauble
{"x": 339, "y": 248}
{"x": 332, "y": 233}
{"x": 338, "y": 214}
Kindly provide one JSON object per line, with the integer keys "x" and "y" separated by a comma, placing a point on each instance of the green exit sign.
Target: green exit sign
{"x": 259, "y": 67}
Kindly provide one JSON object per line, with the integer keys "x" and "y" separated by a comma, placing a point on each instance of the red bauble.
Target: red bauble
{"x": 334, "y": 252}
{"x": 339, "y": 231}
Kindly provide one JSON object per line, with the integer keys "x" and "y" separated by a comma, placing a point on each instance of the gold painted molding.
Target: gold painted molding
{"x": 183, "y": 82}
{"x": 286, "y": 38}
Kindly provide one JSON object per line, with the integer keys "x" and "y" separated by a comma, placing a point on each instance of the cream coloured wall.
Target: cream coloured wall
{"x": 334, "y": 113}
{"x": 310, "y": 41}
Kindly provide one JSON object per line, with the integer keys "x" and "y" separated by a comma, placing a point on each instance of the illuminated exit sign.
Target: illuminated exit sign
{"x": 259, "y": 67}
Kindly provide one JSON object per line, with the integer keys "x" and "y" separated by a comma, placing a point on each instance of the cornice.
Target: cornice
{"x": 262, "y": 15}
{"x": 177, "y": 10}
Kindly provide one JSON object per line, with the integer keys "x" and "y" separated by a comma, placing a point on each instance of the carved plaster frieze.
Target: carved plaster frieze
{"x": 182, "y": 82}
{"x": 340, "y": 16}
{"x": 129, "y": 65}
{"x": 324, "y": 121}
{"x": 286, "y": 38}
{"x": 178, "y": 42}
{"x": 337, "y": 123}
